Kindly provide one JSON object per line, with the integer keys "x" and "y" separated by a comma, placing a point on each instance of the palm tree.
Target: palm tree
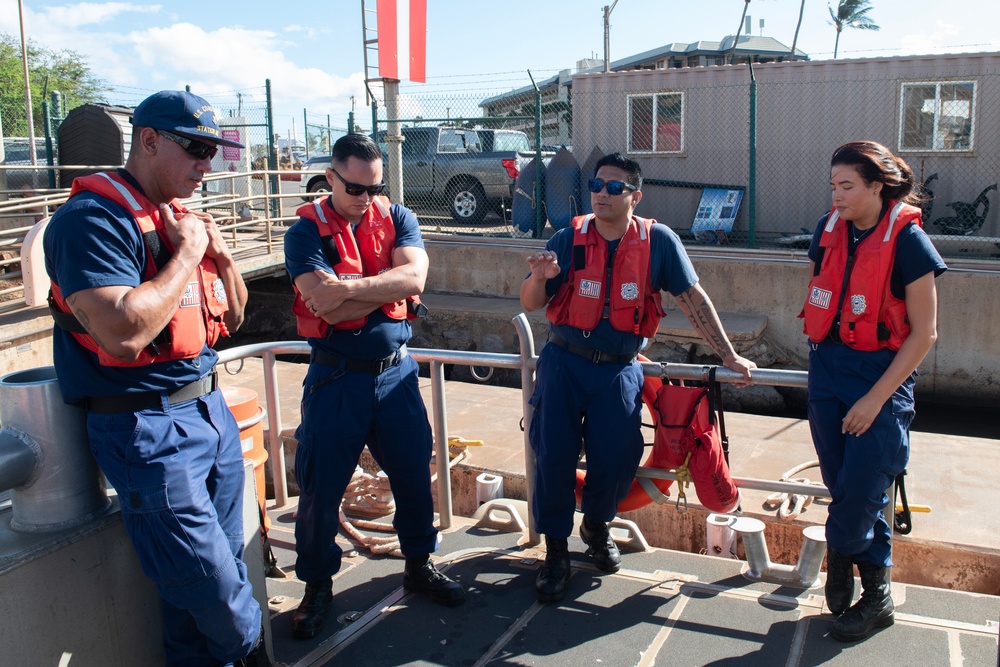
{"x": 851, "y": 14}
{"x": 795, "y": 40}
{"x": 736, "y": 38}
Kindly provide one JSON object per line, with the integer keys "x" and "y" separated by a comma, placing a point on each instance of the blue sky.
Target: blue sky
{"x": 311, "y": 49}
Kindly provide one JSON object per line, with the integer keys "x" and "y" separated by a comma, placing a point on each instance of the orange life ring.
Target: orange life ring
{"x": 637, "y": 496}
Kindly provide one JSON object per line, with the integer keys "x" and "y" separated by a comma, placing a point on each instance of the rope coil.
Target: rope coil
{"x": 791, "y": 505}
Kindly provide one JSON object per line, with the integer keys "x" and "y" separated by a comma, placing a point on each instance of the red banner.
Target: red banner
{"x": 402, "y": 40}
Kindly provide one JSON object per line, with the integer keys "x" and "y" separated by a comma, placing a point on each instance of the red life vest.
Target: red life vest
{"x": 632, "y": 303}
{"x": 365, "y": 251}
{"x": 198, "y": 318}
{"x": 870, "y": 316}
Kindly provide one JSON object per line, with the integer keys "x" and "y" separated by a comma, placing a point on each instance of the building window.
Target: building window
{"x": 937, "y": 116}
{"x": 656, "y": 123}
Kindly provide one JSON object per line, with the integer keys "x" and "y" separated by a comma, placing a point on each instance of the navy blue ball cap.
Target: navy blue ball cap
{"x": 182, "y": 113}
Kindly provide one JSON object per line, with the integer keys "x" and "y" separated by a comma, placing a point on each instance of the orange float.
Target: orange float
{"x": 242, "y": 402}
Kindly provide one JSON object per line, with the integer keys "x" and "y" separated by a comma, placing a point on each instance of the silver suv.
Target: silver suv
{"x": 315, "y": 182}
{"x": 16, "y": 153}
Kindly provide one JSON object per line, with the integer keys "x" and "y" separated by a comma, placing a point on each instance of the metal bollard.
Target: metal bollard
{"x": 804, "y": 574}
{"x": 44, "y": 457}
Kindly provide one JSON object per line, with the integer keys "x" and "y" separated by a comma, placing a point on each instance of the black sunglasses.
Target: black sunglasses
{"x": 595, "y": 185}
{"x": 356, "y": 189}
{"x": 196, "y": 149}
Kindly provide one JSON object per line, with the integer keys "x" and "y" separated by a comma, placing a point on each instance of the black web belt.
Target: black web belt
{"x": 590, "y": 353}
{"x": 152, "y": 399}
{"x": 372, "y": 366}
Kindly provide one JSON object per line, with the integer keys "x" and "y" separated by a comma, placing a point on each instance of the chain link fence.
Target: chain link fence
{"x": 730, "y": 157}
{"x": 745, "y": 162}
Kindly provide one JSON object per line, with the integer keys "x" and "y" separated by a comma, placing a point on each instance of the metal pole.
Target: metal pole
{"x": 538, "y": 198}
{"x": 441, "y": 445}
{"x": 27, "y": 86}
{"x": 607, "y": 35}
{"x": 305, "y": 131}
{"x": 752, "y": 183}
{"x": 275, "y": 446}
{"x": 394, "y": 138}
{"x": 272, "y": 156}
{"x": 329, "y": 137}
{"x": 350, "y": 122}
{"x": 526, "y": 342}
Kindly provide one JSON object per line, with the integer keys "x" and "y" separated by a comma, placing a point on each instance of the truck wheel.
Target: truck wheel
{"x": 319, "y": 185}
{"x": 467, "y": 202}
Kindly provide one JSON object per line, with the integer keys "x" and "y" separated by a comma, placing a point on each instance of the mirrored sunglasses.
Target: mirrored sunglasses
{"x": 196, "y": 149}
{"x": 595, "y": 185}
{"x": 356, "y": 189}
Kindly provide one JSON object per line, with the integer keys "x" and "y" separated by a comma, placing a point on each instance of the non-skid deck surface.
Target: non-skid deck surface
{"x": 662, "y": 607}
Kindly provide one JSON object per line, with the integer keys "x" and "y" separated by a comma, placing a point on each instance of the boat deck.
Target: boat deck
{"x": 662, "y": 607}
{"x": 665, "y": 604}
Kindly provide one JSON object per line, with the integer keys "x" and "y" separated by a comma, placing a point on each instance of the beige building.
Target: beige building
{"x": 557, "y": 91}
{"x": 694, "y": 125}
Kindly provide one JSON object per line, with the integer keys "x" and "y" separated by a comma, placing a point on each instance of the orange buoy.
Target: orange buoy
{"x": 242, "y": 402}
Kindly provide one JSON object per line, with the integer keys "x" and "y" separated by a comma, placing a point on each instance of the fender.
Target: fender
{"x": 686, "y": 431}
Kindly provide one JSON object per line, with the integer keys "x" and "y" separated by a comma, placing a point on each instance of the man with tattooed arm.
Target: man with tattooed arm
{"x": 600, "y": 281}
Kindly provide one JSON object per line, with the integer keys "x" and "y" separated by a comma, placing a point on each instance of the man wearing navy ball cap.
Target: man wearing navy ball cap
{"x": 141, "y": 290}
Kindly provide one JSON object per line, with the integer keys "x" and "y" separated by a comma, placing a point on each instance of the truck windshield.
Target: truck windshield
{"x": 510, "y": 141}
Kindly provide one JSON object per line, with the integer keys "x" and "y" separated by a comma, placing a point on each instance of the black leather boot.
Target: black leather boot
{"x": 603, "y": 550}
{"x": 873, "y": 610}
{"x": 312, "y": 611}
{"x": 420, "y": 576}
{"x": 839, "y": 581}
{"x": 550, "y": 586}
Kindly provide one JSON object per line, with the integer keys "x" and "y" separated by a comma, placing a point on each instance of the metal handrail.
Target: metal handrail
{"x": 230, "y": 223}
{"x": 525, "y": 361}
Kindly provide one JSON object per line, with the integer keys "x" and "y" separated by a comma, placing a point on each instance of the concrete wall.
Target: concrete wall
{"x": 963, "y": 366}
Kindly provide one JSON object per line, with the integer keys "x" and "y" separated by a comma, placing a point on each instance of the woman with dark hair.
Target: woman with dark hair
{"x": 871, "y": 318}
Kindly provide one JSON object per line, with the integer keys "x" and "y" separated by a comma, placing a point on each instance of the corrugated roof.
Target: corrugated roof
{"x": 747, "y": 44}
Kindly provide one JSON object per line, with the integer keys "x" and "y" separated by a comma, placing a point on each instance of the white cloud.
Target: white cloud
{"x": 309, "y": 32}
{"x": 229, "y": 59}
{"x": 88, "y": 14}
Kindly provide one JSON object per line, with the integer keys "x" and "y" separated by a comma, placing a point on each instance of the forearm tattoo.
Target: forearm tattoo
{"x": 705, "y": 321}
{"x": 84, "y": 319}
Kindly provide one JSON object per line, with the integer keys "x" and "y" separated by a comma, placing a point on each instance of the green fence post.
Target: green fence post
{"x": 47, "y": 126}
{"x": 539, "y": 215}
{"x": 272, "y": 155}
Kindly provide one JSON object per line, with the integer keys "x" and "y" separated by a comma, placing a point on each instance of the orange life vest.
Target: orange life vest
{"x": 365, "y": 251}
{"x": 871, "y": 318}
{"x": 689, "y": 437}
{"x": 632, "y": 303}
{"x": 198, "y": 318}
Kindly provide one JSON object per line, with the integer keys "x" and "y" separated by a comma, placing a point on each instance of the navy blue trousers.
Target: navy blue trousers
{"x": 341, "y": 413}
{"x": 179, "y": 476}
{"x": 582, "y": 405}
{"x": 858, "y": 470}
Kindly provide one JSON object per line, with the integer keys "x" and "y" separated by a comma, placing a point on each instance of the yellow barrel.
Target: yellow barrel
{"x": 249, "y": 416}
